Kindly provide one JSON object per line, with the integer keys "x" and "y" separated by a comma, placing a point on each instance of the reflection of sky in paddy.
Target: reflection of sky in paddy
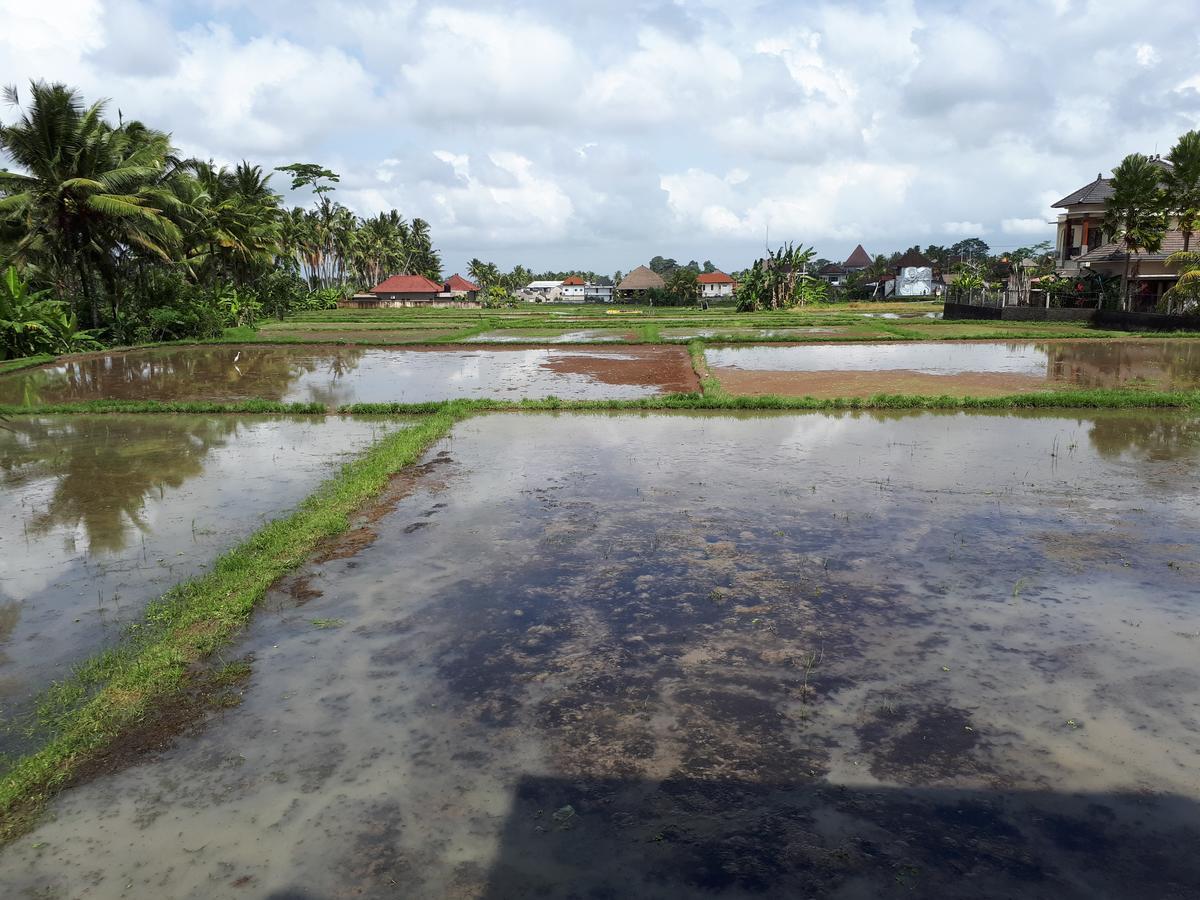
{"x": 389, "y": 376}
{"x": 931, "y": 359}
{"x": 331, "y": 376}
{"x": 1100, "y": 363}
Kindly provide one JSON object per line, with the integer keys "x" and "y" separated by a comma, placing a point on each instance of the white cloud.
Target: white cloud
{"x": 512, "y": 202}
{"x": 1146, "y": 55}
{"x": 1025, "y": 226}
{"x": 964, "y": 229}
{"x": 663, "y": 79}
{"x": 489, "y": 67}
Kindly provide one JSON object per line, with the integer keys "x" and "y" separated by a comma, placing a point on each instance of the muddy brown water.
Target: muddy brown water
{"x": 102, "y": 514}
{"x": 980, "y": 367}
{"x": 853, "y": 656}
{"x": 339, "y": 375}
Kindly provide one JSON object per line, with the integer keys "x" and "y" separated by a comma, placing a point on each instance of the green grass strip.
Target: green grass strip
{"x": 1079, "y": 399}
{"x": 25, "y": 362}
{"x": 114, "y": 692}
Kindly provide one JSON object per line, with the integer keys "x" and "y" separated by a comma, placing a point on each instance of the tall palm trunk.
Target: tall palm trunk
{"x": 1125, "y": 280}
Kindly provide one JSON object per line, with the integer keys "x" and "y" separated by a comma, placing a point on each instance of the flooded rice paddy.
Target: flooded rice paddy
{"x": 980, "y": 368}
{"x": 341, "y": 375}
{"x": 104, "y": 513}
{"x": 853, "y": 656}
{"x": 542, "y": 336}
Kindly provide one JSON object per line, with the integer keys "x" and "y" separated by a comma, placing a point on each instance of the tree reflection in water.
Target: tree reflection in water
{"x": 104, "y": 469}
{"x": 215, "y": 373}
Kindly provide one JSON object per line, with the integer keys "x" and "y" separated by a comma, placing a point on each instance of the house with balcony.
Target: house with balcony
{"x": 1083, "y": 246}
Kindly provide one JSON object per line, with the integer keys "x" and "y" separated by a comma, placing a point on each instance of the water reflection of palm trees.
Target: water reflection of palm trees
{"x": 217, "y": 373}
{"x": 104, "y": 468}
{"x": 1161, "y": 436}
{"x": 1166, "y": 363}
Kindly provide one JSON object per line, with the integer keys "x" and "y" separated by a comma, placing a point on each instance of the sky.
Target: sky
{"x": 570, "y": 134}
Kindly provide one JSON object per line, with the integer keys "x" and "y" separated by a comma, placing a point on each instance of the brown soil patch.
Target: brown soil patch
{"x": 824, "y": 385}
{"x": 668, "y": 368}
{"x": 301, "y": 590}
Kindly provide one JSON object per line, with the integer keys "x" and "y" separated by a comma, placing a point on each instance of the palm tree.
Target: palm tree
{"x": 1134, "y": 214}
{"x": 1184, "y": 295}
{"x": 84, "y": 188}
{"x": 1181, "y": 185}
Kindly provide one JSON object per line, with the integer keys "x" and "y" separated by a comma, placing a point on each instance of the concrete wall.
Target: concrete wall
{"x": 1122, "y": 321}
{"x": 1137, "y": 321}
{"x": 1016, "y": 313}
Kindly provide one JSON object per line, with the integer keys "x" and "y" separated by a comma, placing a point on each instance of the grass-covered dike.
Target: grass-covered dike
{"x": 84, "y": 716}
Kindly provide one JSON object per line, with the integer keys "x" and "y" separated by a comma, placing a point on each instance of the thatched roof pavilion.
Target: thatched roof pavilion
{"x": 641, "y": 279}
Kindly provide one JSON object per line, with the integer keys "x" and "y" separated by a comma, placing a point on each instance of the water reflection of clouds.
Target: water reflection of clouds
{"x": 930, "y": 359}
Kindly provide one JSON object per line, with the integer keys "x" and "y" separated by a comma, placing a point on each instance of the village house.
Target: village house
{"x": 401, "y": 291}
{"x": 572, "y": 290}
{"x": 541, "y": 291}
{"x": 460, "y": 287}
{"x": 597, "y": 293}
{"x": 837, "y": 274}
{"x": 635, "y": 285}
{"x": 715, "y": 285}
{"x": 1083, "y": 247}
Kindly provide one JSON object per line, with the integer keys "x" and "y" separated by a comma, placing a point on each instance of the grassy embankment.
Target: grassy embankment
{"x": 117, "y": 691}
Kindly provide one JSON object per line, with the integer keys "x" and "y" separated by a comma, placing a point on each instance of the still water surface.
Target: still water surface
{"x": 666, "y": 656}
{"x": 340, "y": 375}
{"x": 104, "y": 513}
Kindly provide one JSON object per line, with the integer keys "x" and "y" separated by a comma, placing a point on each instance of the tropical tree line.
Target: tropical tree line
{"x": 1147, "y": 199}
{"x": 112, "y": 236}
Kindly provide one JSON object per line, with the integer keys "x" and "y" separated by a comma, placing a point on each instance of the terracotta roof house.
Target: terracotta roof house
{"x": 409, "y": 290}
{"x": 460, "y": 287}
{"x": 573, "y": 290}
{"x": 639, "y": 281}
{"x": 714, "y": 285}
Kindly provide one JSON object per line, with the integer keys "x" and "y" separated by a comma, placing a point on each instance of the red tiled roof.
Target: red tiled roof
{"x": 407, "y": 284}
{"x": 458, "y": 283}
{"x": 714, "y": 278}
{"x": 574, "y": 280}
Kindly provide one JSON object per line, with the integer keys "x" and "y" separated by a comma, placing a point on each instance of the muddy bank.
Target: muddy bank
{"x": 678, "y": 655}
{"x": 668, "y": 368}
{"x": 752, "y": 383}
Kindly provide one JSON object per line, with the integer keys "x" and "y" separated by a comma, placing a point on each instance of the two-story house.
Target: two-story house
{"x": 1083, "y": 246}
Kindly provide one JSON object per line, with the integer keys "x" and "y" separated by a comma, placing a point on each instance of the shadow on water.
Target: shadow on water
{"x": 683, "y": 837}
